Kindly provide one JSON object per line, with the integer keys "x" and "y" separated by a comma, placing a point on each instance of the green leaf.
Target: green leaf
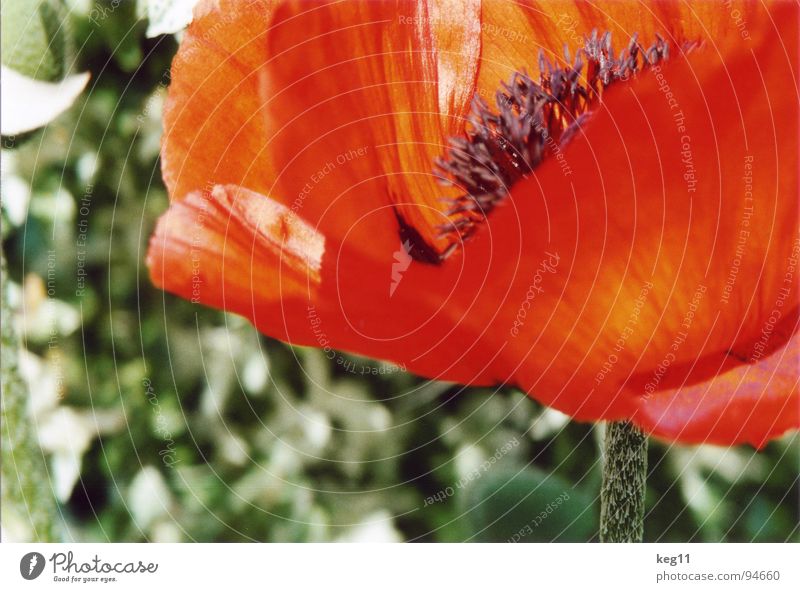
{"x": 36, "y": 38}
{"x": 528, "y": 506}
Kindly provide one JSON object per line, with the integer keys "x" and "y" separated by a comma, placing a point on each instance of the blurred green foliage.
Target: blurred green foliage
{"x": 36, "y": 38}
{"x": 170, "y": 422}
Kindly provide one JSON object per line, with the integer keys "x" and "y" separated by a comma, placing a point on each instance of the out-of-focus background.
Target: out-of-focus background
{"x": 159, "y": 420}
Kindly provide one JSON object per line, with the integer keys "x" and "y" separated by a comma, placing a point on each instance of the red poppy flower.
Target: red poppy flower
{"x": 634, "y": 254}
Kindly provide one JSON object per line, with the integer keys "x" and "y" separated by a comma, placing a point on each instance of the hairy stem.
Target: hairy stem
{"x": 26, "y": 495}
{"x": 623, "y": 488}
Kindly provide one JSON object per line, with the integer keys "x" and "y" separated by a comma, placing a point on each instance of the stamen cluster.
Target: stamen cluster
{"x": 531, "y": 120}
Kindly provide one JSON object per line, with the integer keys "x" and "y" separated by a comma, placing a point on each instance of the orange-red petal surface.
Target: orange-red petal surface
{"x": 648, "y": 225}
{"x": 751, "y": 402}
{"x": 215, "y": 124}
{"x": 235, "y": 249}
{"x": 630, "y": 276}
{"x": 381, "y": 87}
{"x": 514, "y": 32}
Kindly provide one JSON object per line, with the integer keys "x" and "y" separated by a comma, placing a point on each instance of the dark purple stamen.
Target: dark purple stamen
{"x": 531, "y": 121}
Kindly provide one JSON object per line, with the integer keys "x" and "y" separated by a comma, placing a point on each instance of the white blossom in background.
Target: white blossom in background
{"x": 377, "y": 527}
{"x": 149, "y": 498}
{"x": 15, "y": 192}
{"x": 548, "y": 423}
{"x": 29, "y": 104}
{"x": 65, "y": 433}
{"x": 165, "y": 17}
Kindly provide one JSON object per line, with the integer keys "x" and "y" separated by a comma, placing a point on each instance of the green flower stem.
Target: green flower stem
{"x": 25, "y": 492}
{"x": 623, "y": 488}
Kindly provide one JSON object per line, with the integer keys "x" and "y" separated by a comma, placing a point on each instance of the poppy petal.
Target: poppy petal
{"x": 214, "y": 123}
{"x": 652, "y": 206}
{"x": 305, "y": 98}
{"x": 615, "y": 255}
{"x": 513, "y": 33}
{"x": 237, "y": 250}
{"x": 367, "y": 93}
{"x": 751, "y": 402}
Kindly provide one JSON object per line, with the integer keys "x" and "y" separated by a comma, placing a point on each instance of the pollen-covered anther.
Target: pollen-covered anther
{"x": 531, "y": 121}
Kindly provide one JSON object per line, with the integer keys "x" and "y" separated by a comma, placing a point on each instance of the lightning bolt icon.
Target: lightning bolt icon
{"x": 34, "y": 561}
{"x": 402, "y": 260}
